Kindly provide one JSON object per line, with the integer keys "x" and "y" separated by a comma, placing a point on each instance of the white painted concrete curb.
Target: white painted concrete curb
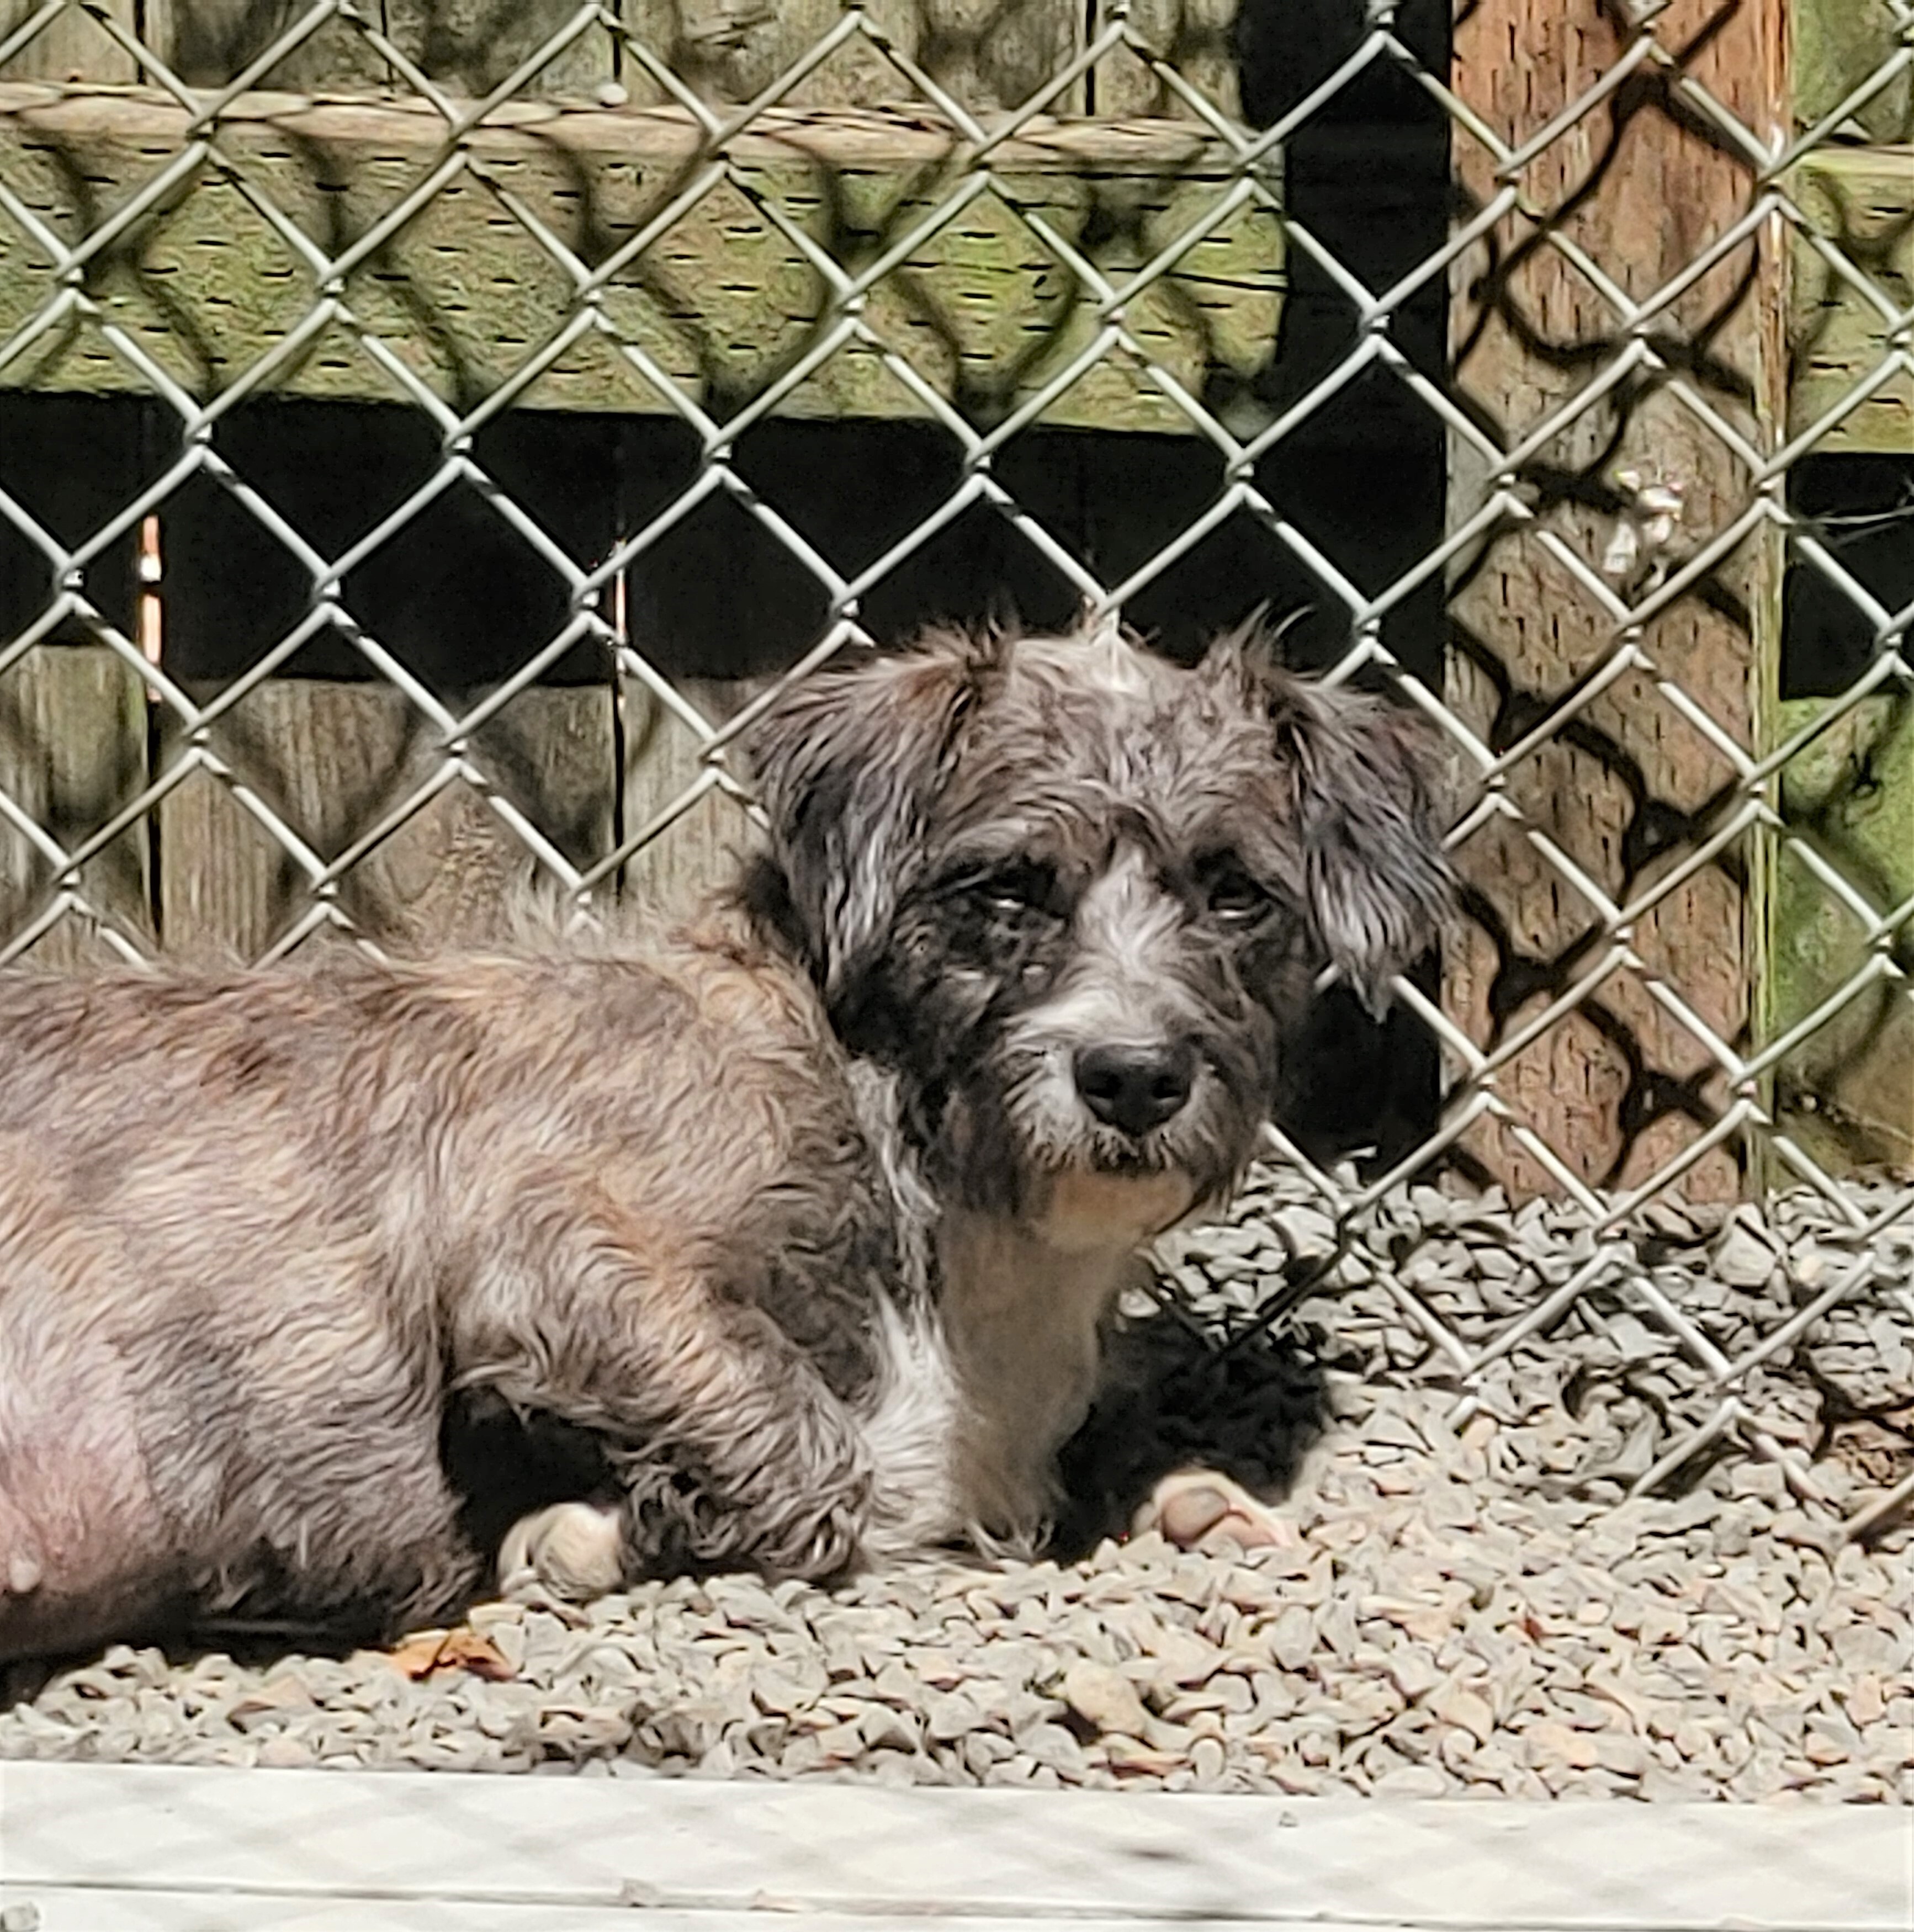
{"x": 108, "y": 1848}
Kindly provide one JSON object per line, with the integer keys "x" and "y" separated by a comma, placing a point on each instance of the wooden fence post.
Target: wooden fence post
{"x": 1641, "y": 185}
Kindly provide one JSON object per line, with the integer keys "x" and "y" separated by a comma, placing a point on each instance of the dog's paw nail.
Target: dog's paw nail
{"x": 570, "y": 1550}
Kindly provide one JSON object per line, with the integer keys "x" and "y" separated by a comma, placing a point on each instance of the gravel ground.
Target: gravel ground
{"x": 1473, "y": 1602}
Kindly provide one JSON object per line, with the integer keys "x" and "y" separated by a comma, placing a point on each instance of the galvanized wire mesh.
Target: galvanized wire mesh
{"x": 1630, "y": 548}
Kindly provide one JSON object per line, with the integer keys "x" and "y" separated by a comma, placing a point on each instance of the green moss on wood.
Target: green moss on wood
{"x": 1862, "y": 200}
{"x": 1839, "y": 47}
{"x": 1847, "y": 1091}
{"x": 467, "y": 294}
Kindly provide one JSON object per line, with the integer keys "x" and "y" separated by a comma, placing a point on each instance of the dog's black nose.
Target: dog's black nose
{"x": 1134, "y": 1088}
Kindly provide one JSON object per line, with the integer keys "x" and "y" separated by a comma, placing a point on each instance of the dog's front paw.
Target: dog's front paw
{"x": 571, "y": 1551}
{"x": 1196, "y": 1509}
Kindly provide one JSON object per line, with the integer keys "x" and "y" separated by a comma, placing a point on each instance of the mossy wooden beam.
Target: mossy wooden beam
{"x": 1839, "y": 47}
{"x": 990, "y": 55}
{"x": 1862, "y": 200}
{"x": 1847, "y": 1091}
{"x": 465, "y": 294}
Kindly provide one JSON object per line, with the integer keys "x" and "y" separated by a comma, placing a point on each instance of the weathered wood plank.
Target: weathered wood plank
{"x": 1847, "y": 1092}
{"x": 208, "y": 43}
{"x": 72, "y": 753}
{"x": 991, "y": 55}
{"x": 468, "y": 46}
{"x": 1838, "y": 45}
{"x": 72, "y": 48}
{"x": 1195, "y": 37}
{"x": 700, "y": 849}
{"x": 724, "y": 302}
{"x": 1861, "y": 199}
{"x": 987, "y": 54}
{"x": 1628, "y": 790}
{"x": 332, "y": 760}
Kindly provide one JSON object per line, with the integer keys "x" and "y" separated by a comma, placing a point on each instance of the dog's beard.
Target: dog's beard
{"x": 1017, "y": 1140}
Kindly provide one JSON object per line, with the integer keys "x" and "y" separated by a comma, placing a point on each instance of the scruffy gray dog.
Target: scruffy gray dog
{"x": 810, "y": 1217}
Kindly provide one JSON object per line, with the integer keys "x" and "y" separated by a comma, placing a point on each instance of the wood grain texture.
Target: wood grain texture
{"x": 467, "y": 47}
{"x": 71, "y": 48}
{"x": 209, "y": 42}
{"x": 1195, "y": 38}
{"x": 701, "y": 849}
{"x": 1627, "y": 789}
{"x": 332, "y": 760}
{"x": 987, "y": 54}
{"x": 1862, "y": 200}
{"x": 1837, "y": 46}
{"x": 72, "y": 753}
{"x": 1847, "y": 1094}
{"x": 724, "y": 302}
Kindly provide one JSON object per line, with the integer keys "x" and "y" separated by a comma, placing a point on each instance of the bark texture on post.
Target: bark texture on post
{"x": 1638, "y": 185}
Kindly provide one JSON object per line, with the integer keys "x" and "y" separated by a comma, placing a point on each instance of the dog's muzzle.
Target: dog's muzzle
{"x": 1135, "y": 1088}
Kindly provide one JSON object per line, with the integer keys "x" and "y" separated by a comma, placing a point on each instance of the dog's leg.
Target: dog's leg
{"x": 393, "y": 1548}
{"x": 731, "y": 1449}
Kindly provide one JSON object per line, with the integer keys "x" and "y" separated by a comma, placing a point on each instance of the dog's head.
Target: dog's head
{"x": 1076, "y": 896}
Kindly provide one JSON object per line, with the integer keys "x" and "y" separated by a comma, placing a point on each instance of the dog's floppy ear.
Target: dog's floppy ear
{"x": 1362, "y": 786}
{"x": 1365, "y": 779}
{"x": 847, "y": 763}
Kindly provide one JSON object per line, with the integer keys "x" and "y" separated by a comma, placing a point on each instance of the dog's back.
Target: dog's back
{"x": 251, "y": 1224}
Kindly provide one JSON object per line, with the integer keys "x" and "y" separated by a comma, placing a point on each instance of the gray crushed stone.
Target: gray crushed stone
{"x": 1473, "y": 1602}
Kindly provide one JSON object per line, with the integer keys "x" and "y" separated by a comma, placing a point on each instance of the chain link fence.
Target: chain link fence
{"x": 1558, "y": 360}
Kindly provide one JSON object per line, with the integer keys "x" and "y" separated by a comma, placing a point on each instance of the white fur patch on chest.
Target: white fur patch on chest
{"x": 912, "y": 1430}
{"x": 978, "y": 1390}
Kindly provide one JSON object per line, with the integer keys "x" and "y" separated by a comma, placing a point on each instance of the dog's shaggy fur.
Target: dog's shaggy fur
{"x": 808, "y": 1219}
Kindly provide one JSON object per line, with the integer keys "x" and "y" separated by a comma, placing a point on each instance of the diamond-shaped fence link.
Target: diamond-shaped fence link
{"x": 1649, "y": 293}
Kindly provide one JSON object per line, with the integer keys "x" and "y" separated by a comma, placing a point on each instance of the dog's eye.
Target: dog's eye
{"x": 1019, "y": 889}
{"x": 1010, "y": 891}
{"x": 1234, "y": 898}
